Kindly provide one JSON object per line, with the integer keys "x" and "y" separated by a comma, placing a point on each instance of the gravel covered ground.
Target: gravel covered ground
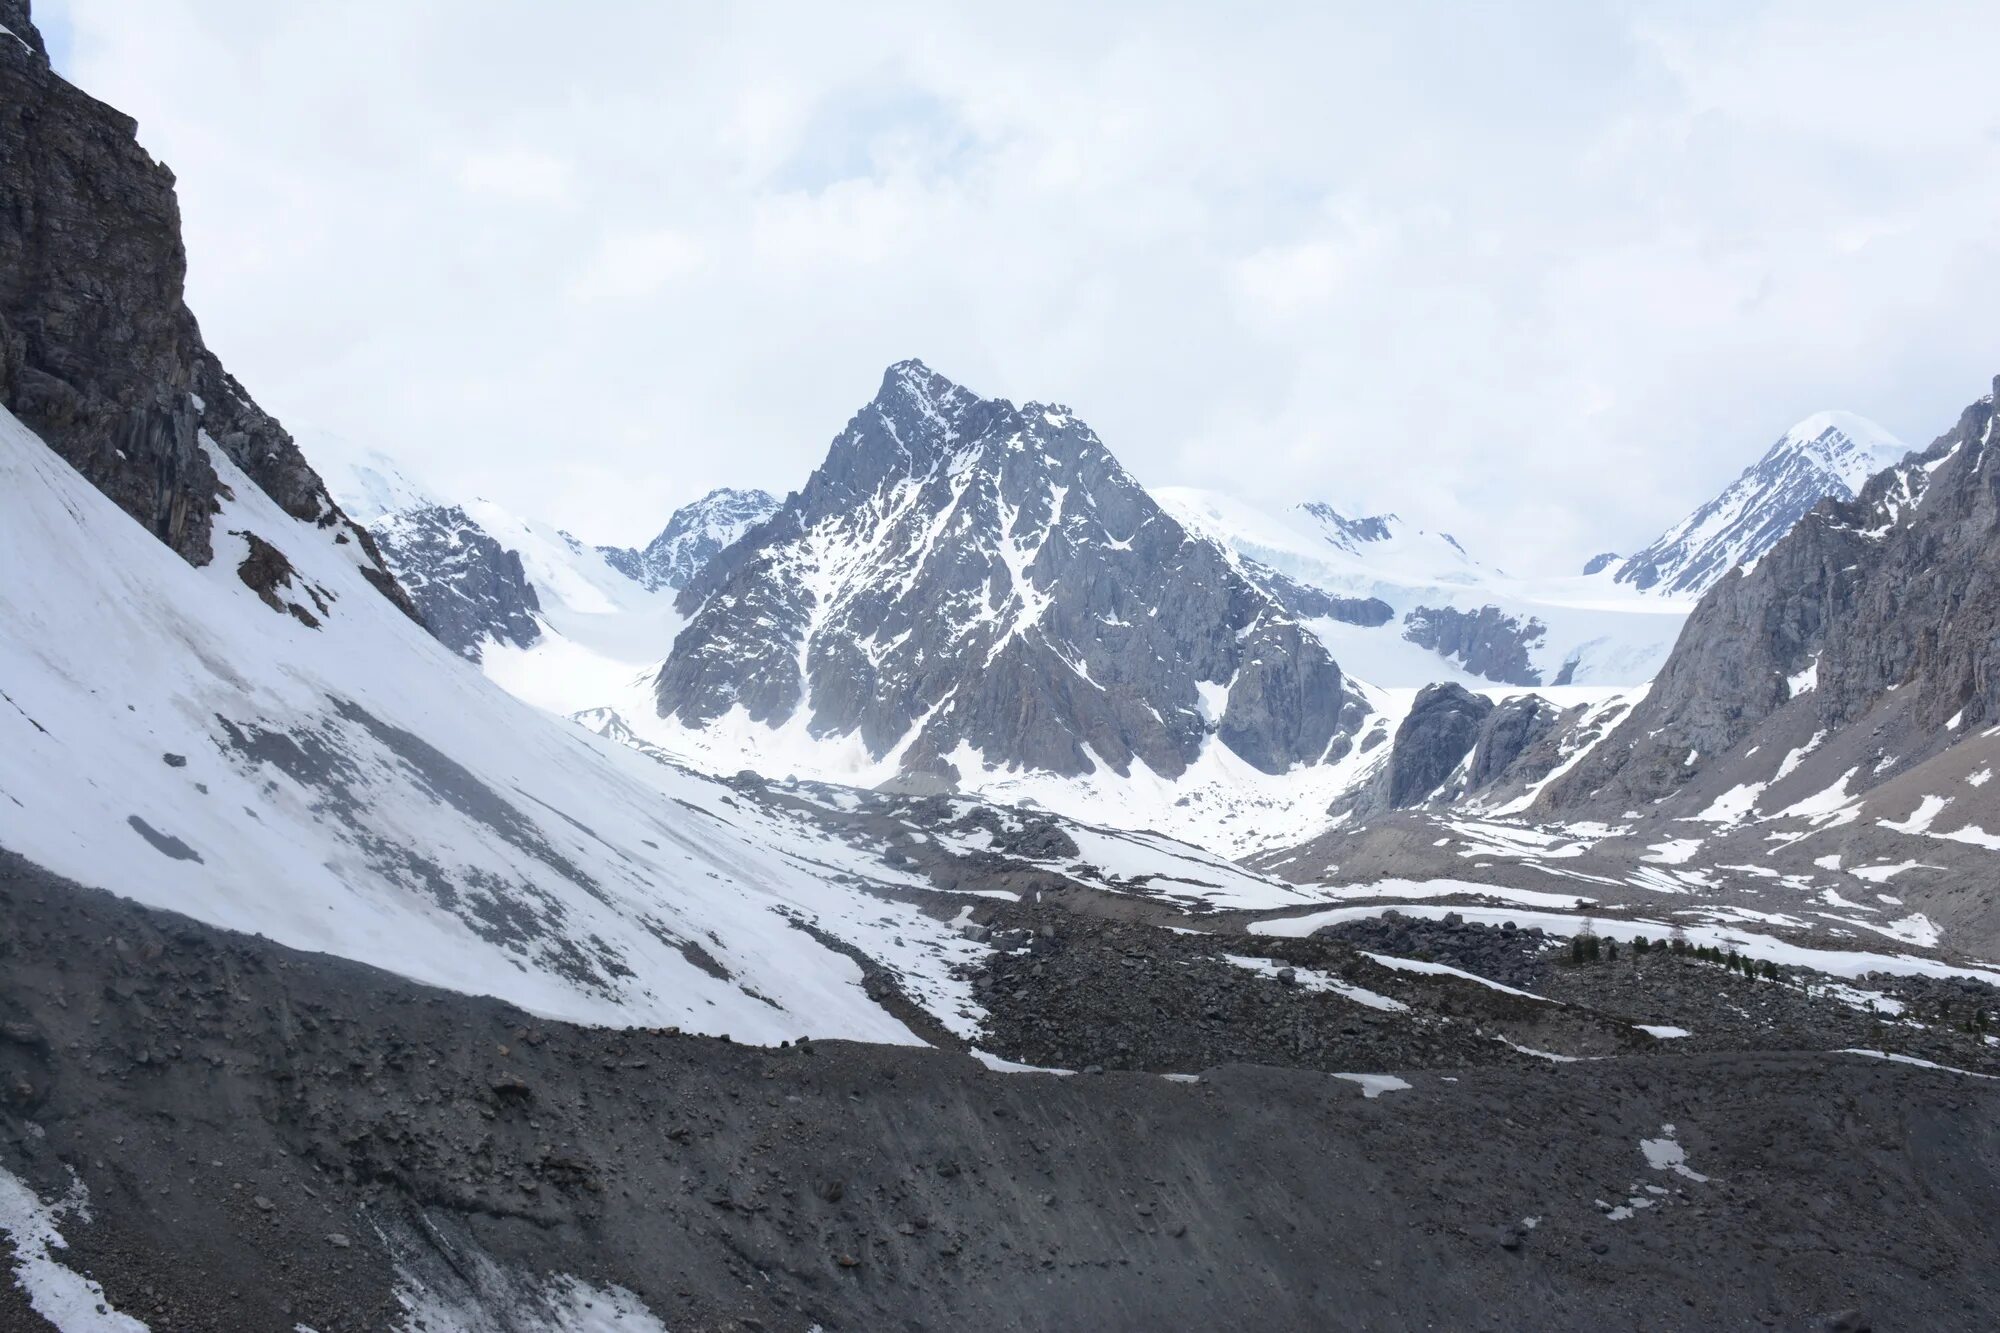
{"x": 271, "y": 1138}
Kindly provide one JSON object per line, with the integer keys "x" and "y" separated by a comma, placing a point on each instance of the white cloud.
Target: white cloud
{"x": 1545, "y": 278}
{"x": 635, "y": 265}
{"x": 516, "y": 173}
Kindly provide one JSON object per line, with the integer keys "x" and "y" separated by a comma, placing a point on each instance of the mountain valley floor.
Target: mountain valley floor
{"x": 252, "y": 1137}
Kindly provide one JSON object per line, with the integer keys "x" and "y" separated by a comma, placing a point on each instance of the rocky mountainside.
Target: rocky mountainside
{"x": 1888, "y": 593}
{"x": 1827, "y": 454}
{"x": 965, "y": 584}
{"x": 215, "y": 710}
{"x": 1816, "y": 754}
{"x": 469, "y": 589}
{"x": 561, "y": 623}
{"x": 629, "y": 1179}
{"x": 695, "y": 535}
{"x": 99, "y": 354}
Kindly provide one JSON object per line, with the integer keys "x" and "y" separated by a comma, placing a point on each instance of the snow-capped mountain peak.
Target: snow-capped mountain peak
{"x": 1347, "y": 533}
{"x": 1851, "y": 447}
{"x": 366, "y": 482}
{"x": 1826, "y": 454}
{"x": 965, "y": 584}
{"x": 695, "y": 534}
{"x": 1376, "y": 532}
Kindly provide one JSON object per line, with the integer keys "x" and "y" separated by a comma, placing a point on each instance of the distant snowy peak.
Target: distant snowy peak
{"x": 483, "y": 577}
{"x": 1356, "y": 535}
{"x": 1849, "y": 446}
{"x": 1317, "y": 533}
{"x": 695, "y": 535}
{"x": 367, "y": 483}
{"x": 1827, "y": 454}
{"x": 1347, "y": 533}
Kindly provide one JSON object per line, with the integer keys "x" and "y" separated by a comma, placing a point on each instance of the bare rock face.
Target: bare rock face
{"x": 1487, "y": 642}
{"x": 99, "y": 354}
{"x": 964, "y": 572}
{"x": 1896, "y": 589}
{"x": 469, "y": 589}
{"x": 1512, "y": 730}
{"x": 1441, "y": 729}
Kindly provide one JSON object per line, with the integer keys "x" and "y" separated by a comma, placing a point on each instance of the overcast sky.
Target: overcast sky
{"x": 1547, "y": 279}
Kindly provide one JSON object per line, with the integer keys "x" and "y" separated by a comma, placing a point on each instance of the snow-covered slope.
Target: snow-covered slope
{"x": 556, "y": 621}
{"x": 349, "y": 786}
{"x": 1448, "y": 617}
{"x": 1827, "y": 454}
{"x": 601, "y": 630}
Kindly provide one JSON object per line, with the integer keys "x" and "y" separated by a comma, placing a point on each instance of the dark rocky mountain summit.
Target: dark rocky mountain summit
{"x": 695, "y": 535}
{"x": 99, "y": 354}
{"x": 964, "y": 572}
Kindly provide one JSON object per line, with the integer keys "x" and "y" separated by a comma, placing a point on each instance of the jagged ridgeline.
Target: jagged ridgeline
{"x": 963, "y": 579}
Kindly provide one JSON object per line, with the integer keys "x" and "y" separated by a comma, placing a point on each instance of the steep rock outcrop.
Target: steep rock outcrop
{"x": 99, "y": 354}
{"x": 1511, "y": 730}
{"x": 1442, "y": 728}
{"x": 1487, "y": 642}
{"x": 468, "y": 588}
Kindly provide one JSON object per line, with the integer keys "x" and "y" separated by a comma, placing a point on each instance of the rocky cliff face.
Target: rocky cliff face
{"x": 1454, "y": 746}
{"x": 1441, "y": 729}
{"x": 1486, "y": 642}
{"x": 1894, "y": 590}
{"x": 695, "y": 535}
{"x": 962, "y": 572}
{"x": 1512, "y": 731}
{"x": 99, "y": 354}
{"x": 468, "y": 588}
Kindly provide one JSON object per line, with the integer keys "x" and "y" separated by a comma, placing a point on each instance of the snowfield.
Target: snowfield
{"x": 354, "y": 788}
{"x": 1612, "y": 635}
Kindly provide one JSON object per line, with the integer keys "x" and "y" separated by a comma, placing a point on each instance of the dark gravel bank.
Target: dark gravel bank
{"x": 231, "y": 1105}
